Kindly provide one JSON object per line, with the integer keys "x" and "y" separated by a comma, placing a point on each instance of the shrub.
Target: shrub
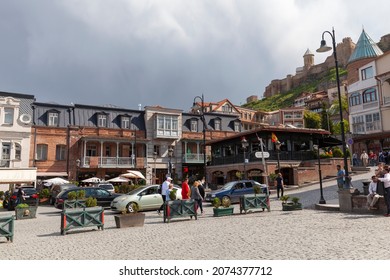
{"x": 22, "y": 205}
{"x": 45, "y": 193}
{"x": 81, "y": 194}
{"x": 91, "y": 202}
{"x": 284, "y": 198}
{"x": 72, "y": 195}
{"x": 257, "y": 189}
{"x": 172, "y": 194}
{"x": 295, "y": 200}
{"x": 216, "y": 202}
{"x": 337, "y": 152}
{"x": 226, "y": 202}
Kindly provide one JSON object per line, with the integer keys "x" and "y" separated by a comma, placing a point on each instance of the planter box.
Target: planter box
{"x": 130, "y": 220}
{"x": 223, "y": 211}
{"x": 72, "y": 204}
{"x": 180, "y": 208}
{"x": 291, "y": 206}
{"x": 26, "y": 213}
{"x": 251, "y": 201}
{"x": 82, "y": 217}
{"x": 7, "y": 227}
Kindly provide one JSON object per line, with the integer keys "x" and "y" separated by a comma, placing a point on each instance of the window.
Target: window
{"x": 125, "y": 122}
{"x": 102, "y": 120}
{"x": 372, "y": 122}
{"x": 60, "y": 152}
{"x": 156, "y": 149}
{"x": 369, "y": 95}
{"x": 8, "y": 115}
{"x": 5, "y": 155}
{"x": 226, "y": 108}
{"x": 354, "y": 99}
{"x": 108, "y": 151}
{"x": 217, "y": 124}
{"x": 41, "y": 152}
{"x": 358, "y": 124}
{"x": 367, "y": 73}
{"x": 53, "y": 119}
{"x": 18, "y": 151}
{"x": 237, "y": 126}
{"x": 91, "y": 151}
{"x": 194, "y": 126}
{"x": 167, "y": 125}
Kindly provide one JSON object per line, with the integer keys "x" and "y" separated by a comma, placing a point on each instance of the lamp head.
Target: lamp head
{"x": 323, "y": 47}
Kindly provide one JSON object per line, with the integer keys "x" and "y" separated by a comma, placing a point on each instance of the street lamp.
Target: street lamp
{"x": 322, "y": 199}
{"x": 78, "y": 161}
{"x": 244, "y": 144}
{"x": 170, "y": 154}
{"x": 278, "y": 145}
{"x": 201, "y": 112}
{"x": 154, "y": 173}
{"x": 325, "y": 48}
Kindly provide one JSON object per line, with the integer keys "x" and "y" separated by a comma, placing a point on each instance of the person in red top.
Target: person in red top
{"x": 185, "y": 189}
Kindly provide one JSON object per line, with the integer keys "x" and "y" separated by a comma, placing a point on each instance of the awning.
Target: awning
{"x": 52, "y": 174}
{"x": 18, "y": 175}
{"x": 329, "y": 142}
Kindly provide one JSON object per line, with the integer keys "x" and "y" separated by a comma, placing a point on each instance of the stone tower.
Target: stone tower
{"x": 308, "y": 60}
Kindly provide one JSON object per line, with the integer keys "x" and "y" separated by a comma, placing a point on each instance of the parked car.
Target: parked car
{"x": 31, "y": 197}
{"x": 147, "y": 198}
{"x": 233, "y": 190}
{"x": 107, "y": 186}
{"x": 56, "y": 189}
{"x": 102, "y": 196}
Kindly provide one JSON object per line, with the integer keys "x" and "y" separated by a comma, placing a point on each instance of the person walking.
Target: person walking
{"x": 164, "y": 188}
{"x": 372, "y": 197}
{"x": 279, "y": 184}
{"x": 20, "y": 196}
{"x": 195, "y": 194}
{"x": 185, "y": 189}
{"x": 386, "y": 181}
{"x": 364, "y": 158}
{"x": 202, "y": 186}
{"x": 355, "y": 160}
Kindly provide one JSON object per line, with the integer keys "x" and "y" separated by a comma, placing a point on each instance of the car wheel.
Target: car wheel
{"x": 226, "y": 200}
{"x": 130, "y": 207}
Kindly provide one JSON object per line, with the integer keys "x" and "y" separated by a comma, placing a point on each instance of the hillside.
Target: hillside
{"x": 286, "y": 99}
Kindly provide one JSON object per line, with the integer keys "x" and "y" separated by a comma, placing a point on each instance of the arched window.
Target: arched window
{"x": 354, "y": 99}
{"x": 369, "y": 95}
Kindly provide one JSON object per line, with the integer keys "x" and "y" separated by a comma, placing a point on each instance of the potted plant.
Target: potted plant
{"x": 222, "y": 208}
{"x": 257, "y": 200}
{"x": 91, "y": 202}
{"x": 294, "y": 204}
{"x": 130, "y": 217}
{"x": 75, "y": 200}
{"x": 25, "y": 211}
{"x": 44, "y": 196}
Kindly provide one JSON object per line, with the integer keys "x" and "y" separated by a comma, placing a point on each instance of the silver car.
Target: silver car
{"x": 146, "y": 198}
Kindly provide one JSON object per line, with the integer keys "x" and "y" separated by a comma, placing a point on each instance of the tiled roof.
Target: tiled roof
{"x": 365, "y": 48}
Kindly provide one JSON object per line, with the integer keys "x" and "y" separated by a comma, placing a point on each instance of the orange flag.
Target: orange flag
{"x": 274, "y": 138}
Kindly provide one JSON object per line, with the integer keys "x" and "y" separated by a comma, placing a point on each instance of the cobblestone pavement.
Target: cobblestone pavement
{"x": 276, "y": 235}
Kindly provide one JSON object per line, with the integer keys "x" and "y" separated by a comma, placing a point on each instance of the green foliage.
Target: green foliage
{"x": 72, "y": 195}
{"x": 172, "y": 194}
{"x": 1, "y": 194}
{"x": 337, "y": 152}
{"x": 239, "y": 175}
{"x": 81, "y": 194}
{"x": 312, "y": 120}
{"x": 284, "y": 198}
{"x": 295, "y": 200}
{"x": 44, "y": 193}
{"x": 216, "y": 202}
{"x": 257, "y": 189}
{"x": 326, "y": 155}
{"x": 91, "y": 202}
{"x": 22, "y": 205}
{"x": 226, "y": 202}
{"x": 125, "y": 188}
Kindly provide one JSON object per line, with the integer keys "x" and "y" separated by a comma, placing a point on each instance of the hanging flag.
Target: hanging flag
{"x": 274, "y": 138}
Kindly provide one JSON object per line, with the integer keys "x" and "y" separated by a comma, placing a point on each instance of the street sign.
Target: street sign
{"x": 262, "y": 154}
{"x": 350, "y": 141}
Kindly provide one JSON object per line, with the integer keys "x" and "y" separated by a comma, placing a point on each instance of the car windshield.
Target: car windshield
{"x": 135, "y": 191}
{"x": 228, "y": 186}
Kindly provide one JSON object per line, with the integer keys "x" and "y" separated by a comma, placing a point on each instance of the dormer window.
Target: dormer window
{"x": 53, "y": 118}
{"x": 194, "y": 125}
{"x": 237, "y": 126}
{"x": 125, "y": 122}
{"x": 217, "y": 124}
{"x": 102, "y": 120}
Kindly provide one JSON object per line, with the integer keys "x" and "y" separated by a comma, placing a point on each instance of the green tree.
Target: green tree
{"x": 326, "y": 123}
{"x": 312, "y": 120}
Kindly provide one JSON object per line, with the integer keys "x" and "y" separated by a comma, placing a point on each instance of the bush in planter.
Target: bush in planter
{"x": 295, "y": 200}
{"x": 45, "y": 193}
{"x": 80, "y": 194}
{"x": 72, "y": 195}
{"x": 284, "y": 198}
{"x": 91, "y": 202}
{"x": 172, "y": 194}
{"x": 226, "y": 202}
{"x": 22, "y": 205}
{"x": 257, "y": 189}
{"x": 216, "y": 202}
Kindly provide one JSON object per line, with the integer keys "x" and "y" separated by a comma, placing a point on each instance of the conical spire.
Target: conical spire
{"x": 365, "y": 48}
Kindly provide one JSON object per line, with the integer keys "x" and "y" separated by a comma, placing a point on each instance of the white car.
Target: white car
{"x": 146, "y": 198}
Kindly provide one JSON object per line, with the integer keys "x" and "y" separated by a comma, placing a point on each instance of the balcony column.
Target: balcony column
{"x": 132, "y": 153}
{"x": 185, "y": 151}
{"x": 84, "y": 152}
{"x": 117, "y": 154}
{"x": 197, "y": 151}
{"x": 101, "y": 152}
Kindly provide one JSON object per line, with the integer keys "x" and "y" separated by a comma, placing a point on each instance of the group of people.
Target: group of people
{"x": 371, "y": 158}
{"x": 196, "y": 192}
{"x": 380, "y": 184}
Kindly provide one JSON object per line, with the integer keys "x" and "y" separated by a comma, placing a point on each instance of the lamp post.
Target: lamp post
{"x": 78, "y": 161}
{"x": 322, "y": 199}
{"x": 170, "y": 154}
{"x": 278, "y": 145}
{"x": 244, "y": 144}
{"x": 201, "y": 112}
{"x": 325, "y": 48}
{"x": 154, "y": 173}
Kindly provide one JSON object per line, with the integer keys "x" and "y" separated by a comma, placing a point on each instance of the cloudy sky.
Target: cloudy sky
{"x": 166, "y": 52}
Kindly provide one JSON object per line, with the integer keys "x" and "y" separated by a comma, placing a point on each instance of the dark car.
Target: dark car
{"x": 102, "y": 196}
{"x": 106, "y": 186}
{"x": 233, "y": 190}
{"x": 30, "y": 197}
{"x": 56, "y": 189}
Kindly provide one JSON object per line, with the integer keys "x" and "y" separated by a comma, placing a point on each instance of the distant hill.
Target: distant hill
{"x": 286, "y": 99}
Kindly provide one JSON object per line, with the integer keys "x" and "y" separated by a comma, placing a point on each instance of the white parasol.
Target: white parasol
{"x": 55, "y": 181}
{"x": 133, "y": 174}
{"x": 118, "y": 180}
{"x": 91, "y": 180}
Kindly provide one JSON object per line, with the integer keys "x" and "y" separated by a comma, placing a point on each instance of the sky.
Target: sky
{"x": 137, "y": 53}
